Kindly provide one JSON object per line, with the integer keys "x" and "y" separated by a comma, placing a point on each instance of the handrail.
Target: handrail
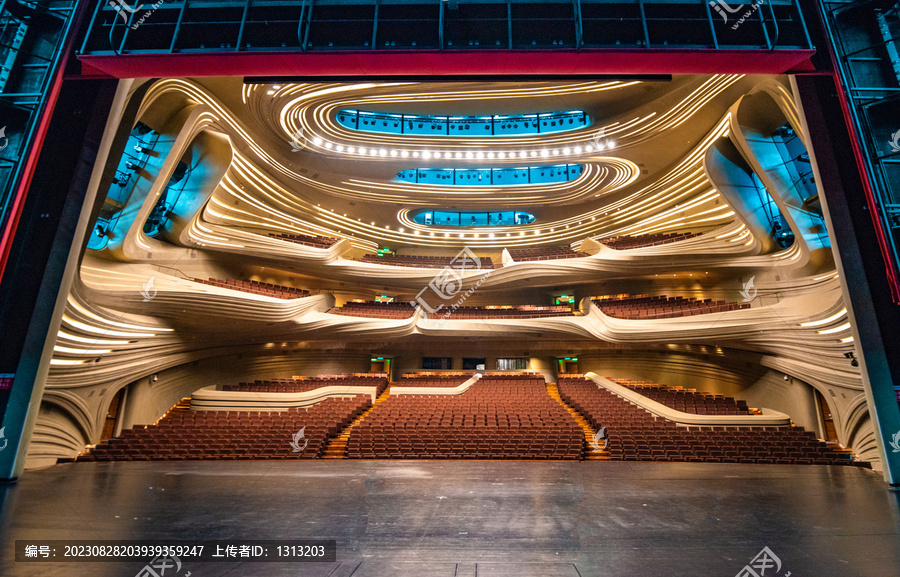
{"x": 211, "y": 399}
{"x": 457, "y": 390}
{"x": 769, "y": 418}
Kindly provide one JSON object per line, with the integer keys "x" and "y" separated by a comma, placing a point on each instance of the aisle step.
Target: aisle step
{"x": 337, "y": 448}
{"x": 590, "y": 453}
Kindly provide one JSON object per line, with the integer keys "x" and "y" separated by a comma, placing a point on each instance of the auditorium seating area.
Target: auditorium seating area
{"x": 302, "y": 384}
{"x": 499, "y": 417}
{"x": 421, "y": 261}
{"x": 687, "y": 401}
{"x": 375, "y": 310}
{"x": 257, "y": 288}
{"x": 644, "y": 240}
{"x": 636, "y": 435}
{"x": 544, "y": 253}
{"x": 306, "y": 240}
{"x": 432, "y": 380}
{"x": 516, "y": 312}
{"x": 662, "y": 307}
{"x": 183, "y": 434}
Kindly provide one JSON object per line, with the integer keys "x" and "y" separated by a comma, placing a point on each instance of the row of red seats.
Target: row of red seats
{"x": 662, "y": 307}
{"x": 313, "y": 241}
{"x": 216, "y": 435}
{"x": 304, "y": 384}
{"x": 509, "y": 417}
{"x": 259, "y": 288}
{"x": 544, "y": 253}
{"x": 687, "y": 401}
{"x": 636, "y": 435}
{"x": 375, "y": 310}
{"x": 431, "y": 380}
{"x": 516, "y": 312}
{"x": 423, "y": 261}
{"x": 640, "y": 241}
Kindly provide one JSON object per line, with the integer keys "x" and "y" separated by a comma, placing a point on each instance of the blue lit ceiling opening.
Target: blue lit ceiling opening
{"x": 470, "y": 126}
{"x": 480, "y": 218}
{"x": 492, "y": 176}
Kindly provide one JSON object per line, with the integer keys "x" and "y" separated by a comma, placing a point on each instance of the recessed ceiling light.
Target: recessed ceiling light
{"x": 401, "y": 229}
{"x": 327, "y": 145}
{"x": 270, "y": 92}
{"x": 490, "y": 155}
{"x": 350, "y": 149}
{"x": 491, "y": 235}
{"x": 577, "y": 150}
{"x": 362, "y": 150}
{"x": 393, "y": 153}
{"x": 567, "y": 150}
{"x": 588, "y": 148}
{"x": 469, "y": 155}
{"x": 534, "y": 153}
{"x": 373, "y": 152}
{"x": 404, "y": 153}
{"x": 545, "y": 152}
{"x": 458, "y": 155}
{"x": 555, "y": 152}
{"x": 426, "y": 154}
{"x": 479, "y": 155}
{"x": 276, "y": 86}
{"x": 382, "y": 152}
{"x": 610, "y": 144}
{"x": 501, "y": 155}
{"x": 340, "y": 147}
{"x": 317, "y": 141}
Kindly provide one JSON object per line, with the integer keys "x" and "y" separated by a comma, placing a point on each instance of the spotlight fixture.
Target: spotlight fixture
{"x": 853, "y": 360}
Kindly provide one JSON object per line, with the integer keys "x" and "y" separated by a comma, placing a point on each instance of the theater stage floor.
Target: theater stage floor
{"x": 471, "y": 518}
